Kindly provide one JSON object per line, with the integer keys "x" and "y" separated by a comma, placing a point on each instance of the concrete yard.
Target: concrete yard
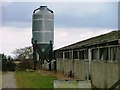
{"x": 8, "y": 80}
{"x": 72, "y": 84}
{"x": 0, "y": 80}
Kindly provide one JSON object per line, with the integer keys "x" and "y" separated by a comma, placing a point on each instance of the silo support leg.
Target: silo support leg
{"x": 35, "y": 54}
{"x": 50, "y": 55}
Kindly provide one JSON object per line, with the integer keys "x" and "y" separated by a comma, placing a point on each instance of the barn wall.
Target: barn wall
{"x": 104, "y": 74}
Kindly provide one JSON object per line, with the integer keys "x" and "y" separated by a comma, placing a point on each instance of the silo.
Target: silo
{"x": 42, "y": 31}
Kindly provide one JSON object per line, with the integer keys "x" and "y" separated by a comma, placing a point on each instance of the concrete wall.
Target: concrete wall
{"x": 103, "y": 74}
{"x": 79, "y": 68}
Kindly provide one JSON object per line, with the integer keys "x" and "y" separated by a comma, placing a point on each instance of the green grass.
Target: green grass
{"x": 34, "y": 80}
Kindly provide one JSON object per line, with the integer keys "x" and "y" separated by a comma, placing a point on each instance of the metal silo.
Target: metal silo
{"x": 42, "y": 32}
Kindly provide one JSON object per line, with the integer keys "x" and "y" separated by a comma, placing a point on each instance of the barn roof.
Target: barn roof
{"x": 104, "y": 38}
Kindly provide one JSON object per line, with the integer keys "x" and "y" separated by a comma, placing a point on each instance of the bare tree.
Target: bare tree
{"x": 23, "y": 53}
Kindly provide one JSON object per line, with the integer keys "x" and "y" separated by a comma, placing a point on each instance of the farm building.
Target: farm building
{"x": 95, "y": 59}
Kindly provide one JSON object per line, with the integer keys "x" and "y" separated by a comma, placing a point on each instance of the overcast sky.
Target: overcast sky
{"x": 74, "y": 21}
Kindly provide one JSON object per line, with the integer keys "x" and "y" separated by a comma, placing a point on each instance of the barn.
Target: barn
{"x": 96, "y": 59}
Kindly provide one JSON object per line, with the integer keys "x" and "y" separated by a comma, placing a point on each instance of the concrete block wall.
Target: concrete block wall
{"x": 78, "y": 68}
{"x": 67, "y": 66}
{"x": 103, "y": 74}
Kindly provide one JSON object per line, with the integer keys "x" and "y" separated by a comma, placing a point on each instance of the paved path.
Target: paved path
{"x": 8, "y": 80}
{"x": 0, "y": 80}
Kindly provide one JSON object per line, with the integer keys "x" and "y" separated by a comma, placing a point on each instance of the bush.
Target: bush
{"x": 8, "y": 66}
{"x": 24, "y": 65}
{"x": 11, "y": 66}
{"x": 4, "y": 65}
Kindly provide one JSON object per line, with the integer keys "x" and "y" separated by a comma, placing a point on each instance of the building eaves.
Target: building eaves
{"x": 104, "y": 38}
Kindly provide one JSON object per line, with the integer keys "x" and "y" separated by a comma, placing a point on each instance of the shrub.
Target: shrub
{"x": 24, "y": 65}
{"x": 11, "y": 66}
{"x": 8, "y": 66}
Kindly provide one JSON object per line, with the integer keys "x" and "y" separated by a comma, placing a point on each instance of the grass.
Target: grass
{"x": 34, "y": 79}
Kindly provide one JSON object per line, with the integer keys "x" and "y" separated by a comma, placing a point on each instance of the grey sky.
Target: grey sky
{"x": 78, "y": 14}
{"x": 74, "y": 21}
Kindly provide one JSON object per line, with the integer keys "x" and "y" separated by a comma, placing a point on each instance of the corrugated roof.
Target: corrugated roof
{"x": 104, "y": 38}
